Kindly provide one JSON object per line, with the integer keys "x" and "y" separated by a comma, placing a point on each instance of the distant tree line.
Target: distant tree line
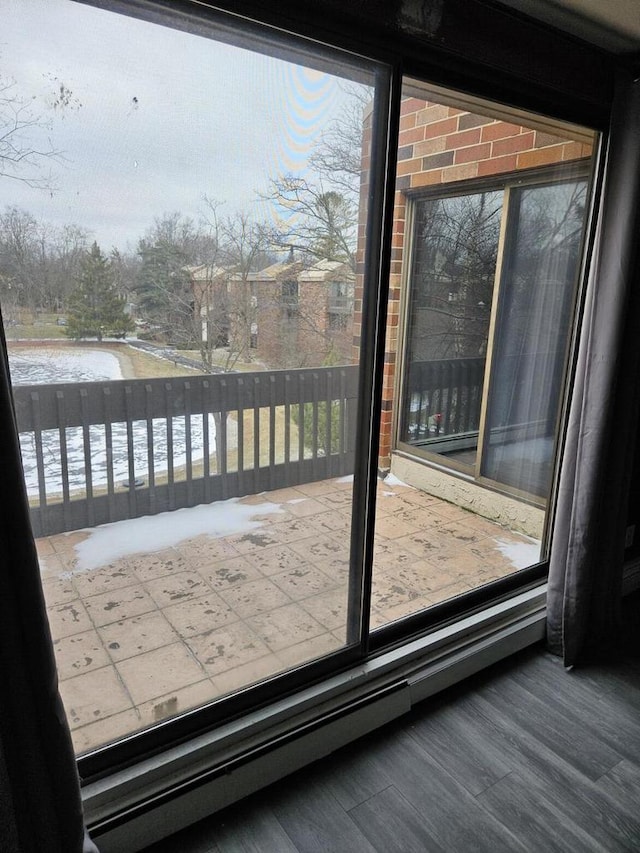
{"x": 51, "y": 270}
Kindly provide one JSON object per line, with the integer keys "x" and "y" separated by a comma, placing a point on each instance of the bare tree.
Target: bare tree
{"x": 338, "y": 156}
{"x": 319, "y": 222}
{"x": 26, "y": 150}
{"x": 319, "y": 211}
{"x": 229, "y": 307}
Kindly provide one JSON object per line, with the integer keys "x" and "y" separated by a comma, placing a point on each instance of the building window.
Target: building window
{"x": 289, "y": 297}
{"x": 341, "y": 297}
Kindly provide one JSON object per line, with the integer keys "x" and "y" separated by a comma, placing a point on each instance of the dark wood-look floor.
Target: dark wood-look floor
{"x": 525, "y": 756}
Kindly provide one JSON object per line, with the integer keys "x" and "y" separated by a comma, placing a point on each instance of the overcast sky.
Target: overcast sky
{"x": 157, "y": 119}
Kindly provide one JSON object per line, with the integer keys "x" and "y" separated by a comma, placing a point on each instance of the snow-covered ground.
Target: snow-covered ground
{"x": 46, "y": 365}
{"x": 137, "y": 535}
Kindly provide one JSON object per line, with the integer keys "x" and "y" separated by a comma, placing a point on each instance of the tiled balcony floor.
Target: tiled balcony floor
{"x": 147, "y": 635}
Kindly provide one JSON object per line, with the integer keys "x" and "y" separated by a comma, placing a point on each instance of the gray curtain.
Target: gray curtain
{"x": 40, "y": 805}
{"x": 587, "y": 553}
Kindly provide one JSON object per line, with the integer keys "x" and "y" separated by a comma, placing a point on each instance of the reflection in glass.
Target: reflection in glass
{"x": 542, "y": 254}
{"x": 455, "y": 252}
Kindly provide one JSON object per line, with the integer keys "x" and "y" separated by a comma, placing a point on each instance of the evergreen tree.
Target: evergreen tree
{"x": 95, "y": 308}
{"x": 163, "y": 288}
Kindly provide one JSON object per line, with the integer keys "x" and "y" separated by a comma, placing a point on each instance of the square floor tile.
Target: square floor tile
{"x": 328, "y": 608}
{"x": 79, "y": 653}
{"x": 58, "y": 590}
{"x": 199, "y": 615}
{"x": 461, "y": 533}
{"x": 334, "y": 521}
{"x": 309, "y": 650}
{"x": 104, "y": 731}
{"x": 389, "y": 592}
{"x": 205, "y": 550}
{"x": 399, "y": 611}
{"x": 227, "y": 648}
{"x": 286, "y": 626}
{"x": 158, "y": 672}
{"x": 338, "y": 500}
{"x": 305, "y": 506}
{"x": 321, "y": 487}
{"x": 136, "y": 635}
{"x": 317, "y": 549}
{"x": 53, "y": 566}
{"x": 246, "y": 674}
{"x": 93, "y": 695}
{"x": 95, "y": 581}
{"x": 393, "y": 527}
{"x": 68, "y": 618}
{"x": 118, "y": 604}
{"x": 255, "y": 540}
{"x": 158, "y": 564}
{"x": 254, "y": 597}
{"x": 276, "y": 559}
{"x": 303, "y": 581}
{"x": 231, "y": 572}
{"x": 172, "y": 589}
{"x": 459, "y": 562}
{"x": 293, "y": 529}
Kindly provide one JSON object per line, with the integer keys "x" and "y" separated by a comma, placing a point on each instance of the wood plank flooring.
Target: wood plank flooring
{"x": 525, "y": 756}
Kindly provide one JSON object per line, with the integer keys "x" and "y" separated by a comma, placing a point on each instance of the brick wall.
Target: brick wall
{"x": 440, "y": 145}
{"x": 303, "y": 337}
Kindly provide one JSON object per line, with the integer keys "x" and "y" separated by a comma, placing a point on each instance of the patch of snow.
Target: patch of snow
{"x": 155, "y": 532}
{"x": 347, "y": 479}
{"x": 520, "y": 554}
{"x": 388, "y": 494}
{"x": 392, "y": 480}
{"x": 297, "y": 500}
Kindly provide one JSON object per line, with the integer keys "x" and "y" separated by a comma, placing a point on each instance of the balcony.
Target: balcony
{"x": 242, "y": 571}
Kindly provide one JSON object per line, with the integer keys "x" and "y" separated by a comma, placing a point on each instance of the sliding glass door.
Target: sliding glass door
{"x": 488, "y": 232}
{"x": 491, "y": 288}
{"x": 180, "y": 213}
{"x": 192, "y": 257}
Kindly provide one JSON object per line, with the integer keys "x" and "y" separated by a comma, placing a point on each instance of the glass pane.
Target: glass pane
{"x": 451, "y": 293}
{"x": 489, "y": 214}
{"x": 542, "y": 256}
{"x": 177, "y": 270}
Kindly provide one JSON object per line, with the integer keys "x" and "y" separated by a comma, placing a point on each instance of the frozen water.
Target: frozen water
{"x": 46, "y": 365}
{"x": 88, "y": 451}
{"x": 144, "y": 442}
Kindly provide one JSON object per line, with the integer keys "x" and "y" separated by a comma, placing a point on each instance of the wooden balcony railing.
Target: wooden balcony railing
{"x": 442, "y": 397}
{"x": 99, "y": 452}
